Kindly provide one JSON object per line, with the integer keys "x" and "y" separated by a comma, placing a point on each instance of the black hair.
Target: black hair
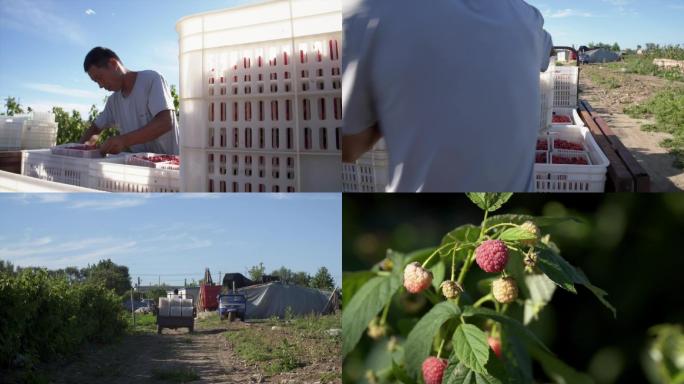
{"x": 98, "y": 57}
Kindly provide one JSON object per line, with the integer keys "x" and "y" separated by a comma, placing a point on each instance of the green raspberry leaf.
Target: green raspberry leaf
{"x": 541, "y": 289}
{"x": 353, "y": 281}
{"x": 364, "y": 306}
{"x": 541, "y": 221}
{"x": 557, "y": 370}
{"x": 464, "y": 234}
{"x": 438, "y": 271}
{"x": 458, "y": 373}
{"x": 555, "y": 268}
{"x": 400, "y": 374}
{"x": 471, "y": 348}
{"x": 512, "y": 324}
{"x": 489, "y": 201}
{"x": 517, "y": 360}
{"x": 516, "y": 234}
{"x": 419, "y": 341}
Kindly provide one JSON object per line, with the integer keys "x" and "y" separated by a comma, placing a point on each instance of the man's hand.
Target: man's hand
{"x": 90, "y": 135}
{"x": 113, "y": 145}
{"x": 354, "y": 146}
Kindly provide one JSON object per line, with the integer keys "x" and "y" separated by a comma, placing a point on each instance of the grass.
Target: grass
{"x": 297, "y": 343}
{"x": 143, "y": 323}
{"x": 176, "y": 375}
{"x": 606, "y": 81}
{"x": 667, "y": 109}
{"x": 643, "y": 65}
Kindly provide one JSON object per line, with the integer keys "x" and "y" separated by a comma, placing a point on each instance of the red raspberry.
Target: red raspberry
{"x": 416, "y": 278}
{"x": 495, "y": 344}
{"x": 433, "y": 370}
{"x": 492, "y": 256}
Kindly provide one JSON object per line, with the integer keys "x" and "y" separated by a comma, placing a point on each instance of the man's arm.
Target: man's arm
{"x": 160, "y": 124}
{"x": 90, "y": 135}
{"x": 354, "y": 146}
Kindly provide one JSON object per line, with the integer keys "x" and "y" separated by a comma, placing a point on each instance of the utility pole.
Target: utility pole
{"x": 132, "y": 310}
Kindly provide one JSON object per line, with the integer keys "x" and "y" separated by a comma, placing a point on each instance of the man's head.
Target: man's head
{"x": 105, "y": 68}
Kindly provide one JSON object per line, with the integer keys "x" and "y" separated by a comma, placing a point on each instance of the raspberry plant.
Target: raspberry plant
{"x": 474, "y": 332}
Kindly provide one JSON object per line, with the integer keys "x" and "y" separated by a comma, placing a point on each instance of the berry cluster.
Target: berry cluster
{"x": 578, "y": 160}
{"x": 540, "y": 158}
{"x": 561, "y": 119}
{"x": 162, "y": 159}
{"x": 542, "y": 145}
{"x": 82, "y": 147}
{"x": 564, "y": 144}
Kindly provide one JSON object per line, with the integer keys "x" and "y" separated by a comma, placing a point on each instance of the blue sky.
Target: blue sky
{"x": 43, "y": 42}
{"x": 175, "y": 236}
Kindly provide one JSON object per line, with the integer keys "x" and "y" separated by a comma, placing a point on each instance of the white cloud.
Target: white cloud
{"x": 568, "y": 12}
{"x": 89, "y": 12}
{"x": 108, "y": 203}
{"x": 43, "y": 105}
{"x": 58, "y": 89}
{"x": 41, "y": 19}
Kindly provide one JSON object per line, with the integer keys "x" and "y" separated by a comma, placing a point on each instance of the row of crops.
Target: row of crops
{"x": 43, "y": 317}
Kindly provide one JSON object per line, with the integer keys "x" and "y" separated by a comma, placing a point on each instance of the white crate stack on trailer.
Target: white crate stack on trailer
{"x": 261, "y": 98}
{"x": 10, "y": 134}
{"x": 35, "y": 130}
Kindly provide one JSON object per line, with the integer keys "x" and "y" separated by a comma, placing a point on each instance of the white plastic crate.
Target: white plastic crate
{"x": 114, "y": 175}
{"x": 147, "y": 160}
{"x": 39, "y": 134}
{"x": 572, "y": 113}
{"x": 42, "y": 164}
{"x": 546, "y": 90}
{"x": 262, "y": 81}
{"x": 76, "y": 150}
{"x": 10, "y": 134}
{"x": 574, "y": 178}
{"x": 565, "y": 80}
{"x": 369, "y": 173}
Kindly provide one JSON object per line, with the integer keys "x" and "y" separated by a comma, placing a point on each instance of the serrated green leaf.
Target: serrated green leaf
{"x": 489, "y": 201}
{"x": 419, "y": 341}
{"x": 471, "y": 347}
{"x": 517, "y": 361}
{"x": 598, "y": 292}
{"x": 464, "y": 234}
{"x": 458, "y": 373}
{"x": 549, "y": 263}
{"x": 557, "y": 370}
{"x": 513, "y": 324}
{"x": 438, "y": 270}
{"x": 364, "y": 306}
{"x": 351, "y": 282}
{"x": 516, "y": 234}
{"x": 539, "y": 221}
{"x": 541, "y": 290}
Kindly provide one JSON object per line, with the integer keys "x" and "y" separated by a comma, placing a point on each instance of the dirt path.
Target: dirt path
{"x": 610, "y": 103}
{"x": 145, "y": 357}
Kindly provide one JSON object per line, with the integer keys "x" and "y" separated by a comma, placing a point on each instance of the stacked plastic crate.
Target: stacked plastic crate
{"x": 261, "y": 98}
{"x": 36, "y": 130}
{"x": 369, "y": 173}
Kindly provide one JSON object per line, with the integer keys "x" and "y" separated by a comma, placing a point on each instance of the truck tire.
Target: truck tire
{"x": 231, "y": 316}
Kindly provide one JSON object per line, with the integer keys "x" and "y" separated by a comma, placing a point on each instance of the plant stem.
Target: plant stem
{"x": 383, "y": 319}
{"x": 483, "y": 299}
{"x": 439, "y": 351}
{"x": 453, "y": 264}
{"x": 501, "y": 225}
{"x": 434, "y": 253}
{"x": 469, "y": 259}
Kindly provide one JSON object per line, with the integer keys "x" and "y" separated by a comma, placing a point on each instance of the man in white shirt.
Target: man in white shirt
{"x": 451, "y": 85}
{"x": 141, "y": 106}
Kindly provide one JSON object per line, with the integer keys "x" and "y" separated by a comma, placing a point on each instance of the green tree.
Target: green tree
{"x": 285, "y": 274}
{"x": 12, "y": 106}
{"x": 109, "y": 274}
{"x": 615, "y": 47}
{"x": 256, "y": 271}
{"x": 157, "y": 292}
{"x": 176, "y": 100}
{"x": 301, "y": 278}
{"x": 323, "y": 280}
{"x": 6, "y": 267}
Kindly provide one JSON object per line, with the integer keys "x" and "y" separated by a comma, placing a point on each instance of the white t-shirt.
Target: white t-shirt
{"x": 453, "y": 86}
{"x": 150, "y": 95}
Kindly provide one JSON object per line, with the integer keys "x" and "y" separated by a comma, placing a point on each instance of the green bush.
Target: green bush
{"x": 44, "y": 316}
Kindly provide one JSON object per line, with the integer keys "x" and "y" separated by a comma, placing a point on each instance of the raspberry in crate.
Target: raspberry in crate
{"x": 76, "y": 150}
{"x": 154, "y": 160}
{"x": 540, "y": 157}
{"x": 561, "y": 119}
{"x": 542, "y": 144}
{"x": 565, "y": 144}
{"x": 576, "y": 160}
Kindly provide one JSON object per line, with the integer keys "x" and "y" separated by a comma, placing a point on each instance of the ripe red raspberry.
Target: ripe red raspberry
{"x": 451, "y": 289}
{"x": 492, "y": 256}
{"x": 416, "y": 278}
{"x": 530, "y": 227}
{"x": 505, "y": 290}
{"x": 495, "y": 344}
{"x": 433, "y": 370}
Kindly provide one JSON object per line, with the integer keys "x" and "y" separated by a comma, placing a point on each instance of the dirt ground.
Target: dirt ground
{"x": 136, "y": 358}
{"x": 609, "y": 103}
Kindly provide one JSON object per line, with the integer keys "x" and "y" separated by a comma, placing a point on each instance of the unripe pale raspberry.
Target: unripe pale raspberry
{"x": 495, "y": 344}
{"x": 451, "y": 289}
{"x": 416, "y": 278}
{"x": 505, "y": 290}
{"x": 530, "y": 227}
{"x": 433, "y": 370}
{"x": 376, "y": 330}
{"x": 492, "y": 256}
{"x": 530, "y": 261}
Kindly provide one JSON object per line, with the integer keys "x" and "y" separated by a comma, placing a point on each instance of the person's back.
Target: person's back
{"x": 454, "y": 86}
